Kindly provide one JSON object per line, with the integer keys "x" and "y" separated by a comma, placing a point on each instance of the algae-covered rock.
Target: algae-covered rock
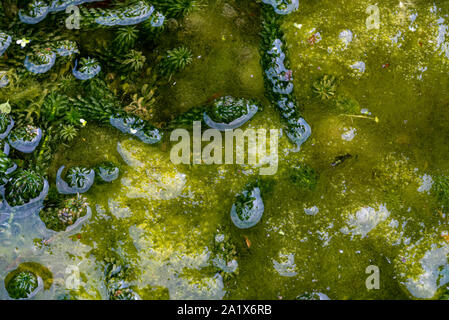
{"x": 312, "y": 296}
{"x": 229, "y": 113}
{"x": 346, "y": 37}
{"x": 60, "y": 5}
{"x": 4, "y": 80}
{"x": 247, "y": 211}
{"x": 279, "y": 76}
{"x": 298, "y": 131}
{"x": 116, "y": 278}
{"x": 66, "y": 48}
{"x": 68, "y": 215}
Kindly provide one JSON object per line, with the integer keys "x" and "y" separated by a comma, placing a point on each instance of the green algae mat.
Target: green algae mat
{"x": 224, "y": 149}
